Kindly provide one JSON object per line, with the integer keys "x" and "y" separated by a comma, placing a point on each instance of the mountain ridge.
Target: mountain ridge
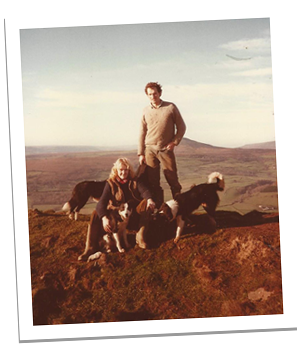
{"x": 261, "y": 145}
{"x": 185, "y": 143}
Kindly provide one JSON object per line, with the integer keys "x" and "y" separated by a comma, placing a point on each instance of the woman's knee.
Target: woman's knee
{"x": 95, "y": 221}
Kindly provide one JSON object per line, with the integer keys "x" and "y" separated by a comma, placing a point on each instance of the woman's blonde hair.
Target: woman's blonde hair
{"x": 117, "y": 164}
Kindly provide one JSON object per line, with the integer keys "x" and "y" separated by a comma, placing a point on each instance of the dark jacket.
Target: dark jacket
{"x": 120, "y": 193}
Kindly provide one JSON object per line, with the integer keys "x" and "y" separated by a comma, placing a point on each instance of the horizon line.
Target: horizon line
{"x": 121, "y": 147}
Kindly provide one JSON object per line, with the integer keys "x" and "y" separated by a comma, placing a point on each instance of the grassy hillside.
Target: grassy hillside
{"x": 233, "y": 271}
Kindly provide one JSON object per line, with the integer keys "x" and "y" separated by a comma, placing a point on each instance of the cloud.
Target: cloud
{"x": 259, "y": 66}
{"x": 220, "y": 114}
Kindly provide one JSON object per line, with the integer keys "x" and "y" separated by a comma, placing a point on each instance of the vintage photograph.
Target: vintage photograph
{"x": 151, "y": 171}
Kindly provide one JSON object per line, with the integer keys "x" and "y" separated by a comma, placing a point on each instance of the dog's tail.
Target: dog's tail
{"x": 70, "y": 205}
{"x": 215, "y": 176}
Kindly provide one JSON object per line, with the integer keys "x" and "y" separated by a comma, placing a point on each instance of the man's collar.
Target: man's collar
{"x": 154, "y": 107}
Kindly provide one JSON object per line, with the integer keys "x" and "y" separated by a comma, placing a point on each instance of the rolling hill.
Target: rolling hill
{"x": 185, "y": 145}
{"x": 263, "y": 145}
{"x": 39, "y": 150}
{"x": 194, "y": 144}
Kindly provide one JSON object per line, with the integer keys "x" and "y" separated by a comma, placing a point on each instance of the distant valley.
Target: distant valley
{"x": 250, "y": 174}
{"x": 31, "y": 150}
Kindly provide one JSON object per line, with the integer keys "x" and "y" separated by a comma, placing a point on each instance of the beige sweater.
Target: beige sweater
{"x": 160, "y": 126}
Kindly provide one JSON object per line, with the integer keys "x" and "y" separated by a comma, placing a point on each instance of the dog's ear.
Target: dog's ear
{"x": 166, "y": 210}
{"x": 121, "y": 207}
{"x": 162, "y": 207}
{"x": 142, "y": 207}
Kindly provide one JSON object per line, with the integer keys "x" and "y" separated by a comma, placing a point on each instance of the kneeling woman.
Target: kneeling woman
{"x": 121, "y": 187}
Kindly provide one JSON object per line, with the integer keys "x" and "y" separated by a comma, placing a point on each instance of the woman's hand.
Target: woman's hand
{"x": 106, "y": 224}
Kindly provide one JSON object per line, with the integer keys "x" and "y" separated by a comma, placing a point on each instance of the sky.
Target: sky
{"x": 85, "y": 85}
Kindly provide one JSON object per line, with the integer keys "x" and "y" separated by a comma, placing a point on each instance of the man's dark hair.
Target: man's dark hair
{"x": 152, "y": 85}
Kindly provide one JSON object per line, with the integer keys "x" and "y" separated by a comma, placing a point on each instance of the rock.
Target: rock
{"x": 259, "y": 294}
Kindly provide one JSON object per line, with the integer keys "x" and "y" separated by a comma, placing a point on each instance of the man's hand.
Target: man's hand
{"x": 150, "y": 204}
{"x": 142, "y": 159}
{"x": 170, "y": 146}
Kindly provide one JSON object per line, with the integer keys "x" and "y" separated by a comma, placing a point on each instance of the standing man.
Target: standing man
{"x": 162, "y": 128}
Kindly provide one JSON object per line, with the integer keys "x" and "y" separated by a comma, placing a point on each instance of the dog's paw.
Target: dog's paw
{"x": 94, "y": 256}
{"x": 141, "y": 245}
{"x": 176, "y": 240}
{"x": 83, "y": 257}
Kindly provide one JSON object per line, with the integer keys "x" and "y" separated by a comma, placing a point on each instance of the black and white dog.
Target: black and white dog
{"x": 118, "y": 218}
{"x": 81, "y": 194}
{"x": 185, "y": 203}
